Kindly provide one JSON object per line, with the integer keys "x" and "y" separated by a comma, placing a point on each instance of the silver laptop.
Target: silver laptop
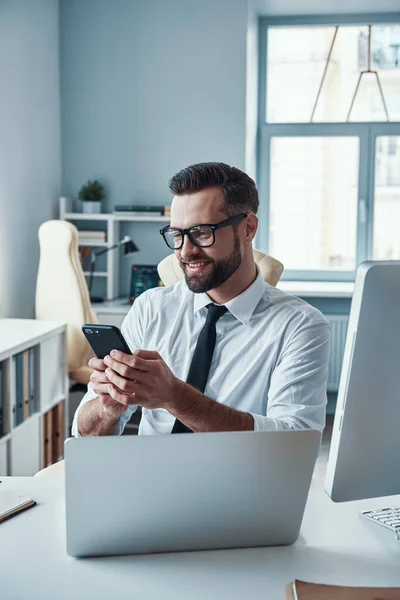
{"x": 167, "y": 493}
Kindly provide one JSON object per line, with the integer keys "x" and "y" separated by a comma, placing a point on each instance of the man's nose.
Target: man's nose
{"x": 188, "y": 248}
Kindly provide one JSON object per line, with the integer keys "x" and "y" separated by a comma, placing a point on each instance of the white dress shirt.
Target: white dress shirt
{"x": 270, "y": 358}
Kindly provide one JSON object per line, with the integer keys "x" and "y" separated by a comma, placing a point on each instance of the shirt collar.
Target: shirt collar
{"x": 243, "y": 305}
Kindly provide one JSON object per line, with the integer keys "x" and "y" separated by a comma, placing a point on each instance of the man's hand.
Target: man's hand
{"x": 101, "y": 385}
{"x": 141, "y": 378}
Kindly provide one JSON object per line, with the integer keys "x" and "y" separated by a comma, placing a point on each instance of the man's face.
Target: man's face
{"x": 205, "y": 268}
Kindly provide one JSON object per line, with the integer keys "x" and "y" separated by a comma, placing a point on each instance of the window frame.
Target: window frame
{"x": 367, "y": 132}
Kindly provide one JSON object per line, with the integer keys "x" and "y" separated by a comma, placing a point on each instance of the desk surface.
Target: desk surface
{"x": 318, "y": 289}
{"x": 335, "y": 546}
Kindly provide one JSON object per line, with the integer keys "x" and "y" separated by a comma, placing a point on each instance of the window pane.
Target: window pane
{"x": 296, "y": 59}
{"x": 387, "y": 199}
{"x": 313, "y": 202}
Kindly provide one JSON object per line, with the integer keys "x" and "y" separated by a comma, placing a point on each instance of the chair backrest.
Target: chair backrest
{"x": 271, "y": 269}
{"x": 62, "y": 293}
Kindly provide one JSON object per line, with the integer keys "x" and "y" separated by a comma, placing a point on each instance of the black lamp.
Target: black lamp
{"x": 129, "y": 248}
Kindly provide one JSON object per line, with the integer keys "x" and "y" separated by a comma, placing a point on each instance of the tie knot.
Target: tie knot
{"x": 215, "y": 312}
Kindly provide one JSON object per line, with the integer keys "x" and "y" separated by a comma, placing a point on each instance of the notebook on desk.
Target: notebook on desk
{"x": 12, "y": 503}
{"x": 301, "y": 590}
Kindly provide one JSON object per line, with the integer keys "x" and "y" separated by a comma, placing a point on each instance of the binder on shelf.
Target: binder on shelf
{"x": 32, "y": 381}
{"x": 47, "y": 439}
{"x": 2, "y": 394}
{"x": 19, "y": 392}
{"x": 58, "y": 416}
{"x": 25, "y": 365}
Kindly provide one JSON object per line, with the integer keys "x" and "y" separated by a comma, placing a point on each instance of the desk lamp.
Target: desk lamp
{"x": 129, "y": 248}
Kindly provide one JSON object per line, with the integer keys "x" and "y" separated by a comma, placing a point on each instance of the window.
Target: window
{"x": 313, "y": 214}
{"x": 329, "y": 150}
{"x": 387, "y": 199}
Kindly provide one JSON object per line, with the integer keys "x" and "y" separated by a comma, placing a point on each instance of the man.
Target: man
{"x": 268, "y": 370}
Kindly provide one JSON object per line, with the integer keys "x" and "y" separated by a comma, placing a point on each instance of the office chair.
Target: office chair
{"x": 271, "y": 269}
{"x": 170, "y": 272}
{"x": 62, "y": 293}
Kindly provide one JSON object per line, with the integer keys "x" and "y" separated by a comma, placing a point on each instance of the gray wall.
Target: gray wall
{"x": 148, "y": 87}
{"x": 29, "y": 143}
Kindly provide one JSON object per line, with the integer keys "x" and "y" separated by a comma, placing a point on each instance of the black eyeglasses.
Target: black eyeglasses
{"x": 202, "y": 235}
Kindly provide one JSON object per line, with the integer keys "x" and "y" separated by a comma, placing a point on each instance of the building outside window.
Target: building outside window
{"x": 329, "y": 158}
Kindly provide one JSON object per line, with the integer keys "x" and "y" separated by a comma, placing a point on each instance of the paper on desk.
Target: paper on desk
{"x": 301, "y": 590}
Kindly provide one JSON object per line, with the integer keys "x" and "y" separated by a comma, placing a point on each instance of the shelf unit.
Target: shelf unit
{"x": 24, "y": 445}
{"x": 112, "y": 222}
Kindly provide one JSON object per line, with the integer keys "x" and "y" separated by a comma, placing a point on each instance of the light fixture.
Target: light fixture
{"x": 374, "y": 72}
{"x": 363, "y": 72}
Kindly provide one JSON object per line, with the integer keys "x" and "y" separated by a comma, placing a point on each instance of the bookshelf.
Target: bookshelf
{"x": 33, "y": 395}
{"x": 110, "y": 222}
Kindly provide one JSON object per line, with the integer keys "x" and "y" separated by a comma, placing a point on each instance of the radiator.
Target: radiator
{"x": 338, "y": 325}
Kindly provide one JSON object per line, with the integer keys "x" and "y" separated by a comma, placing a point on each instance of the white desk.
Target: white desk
{"x": 318, "y": 289}
{"x": 335, "y": 546}
{"x": 112, "y": 312}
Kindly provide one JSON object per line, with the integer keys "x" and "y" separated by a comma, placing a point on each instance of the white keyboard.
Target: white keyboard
{"x": 388, "y": 517}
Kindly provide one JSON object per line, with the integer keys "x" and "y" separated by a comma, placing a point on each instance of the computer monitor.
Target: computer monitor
{"x": 364, "y": 459}
{"x": 143, "y": 277}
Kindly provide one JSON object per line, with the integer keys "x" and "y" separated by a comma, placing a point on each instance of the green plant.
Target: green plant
{"x": 92, "y": 191}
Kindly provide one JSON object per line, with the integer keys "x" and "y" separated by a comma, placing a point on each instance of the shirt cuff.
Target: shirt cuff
{"x": 262, "y": 423}
{"x": 91, "y": 395}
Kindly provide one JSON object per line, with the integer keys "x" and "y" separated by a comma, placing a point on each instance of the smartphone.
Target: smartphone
{"x": 104, "y": 338}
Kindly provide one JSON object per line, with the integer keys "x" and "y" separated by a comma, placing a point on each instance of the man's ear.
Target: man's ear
{"x": 251, "y": 227}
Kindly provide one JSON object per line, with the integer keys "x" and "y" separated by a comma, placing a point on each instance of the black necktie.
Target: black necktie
{"x": 203, "y": 353}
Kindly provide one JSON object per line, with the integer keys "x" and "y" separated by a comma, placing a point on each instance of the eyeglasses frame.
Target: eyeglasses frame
{"x": 225, "y": 223}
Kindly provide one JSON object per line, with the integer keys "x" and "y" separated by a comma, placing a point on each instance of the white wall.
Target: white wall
{"x": 147, "y": 88}
{"x": 29, "y": 143}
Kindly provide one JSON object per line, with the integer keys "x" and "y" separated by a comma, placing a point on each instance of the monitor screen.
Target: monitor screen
{"x": 364, "y": 455}
{"x": 143, "y": 277}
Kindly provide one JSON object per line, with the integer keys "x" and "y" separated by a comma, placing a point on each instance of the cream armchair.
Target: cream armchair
{"x": 271, "y": 269}
{"x": 62, "y": 293}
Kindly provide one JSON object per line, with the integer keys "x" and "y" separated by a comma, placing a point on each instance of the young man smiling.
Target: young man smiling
{"x": 270, "y": 362}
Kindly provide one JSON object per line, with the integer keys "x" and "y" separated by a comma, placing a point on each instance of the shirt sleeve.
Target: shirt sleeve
{"x": 297, "y": 394}
{"x": 132, "y": 330}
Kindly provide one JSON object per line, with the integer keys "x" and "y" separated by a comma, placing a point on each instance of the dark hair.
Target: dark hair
{"x": 239, "y": 191}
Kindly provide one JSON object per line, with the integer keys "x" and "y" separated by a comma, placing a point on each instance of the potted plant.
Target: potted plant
{"x": 92, "y": 194}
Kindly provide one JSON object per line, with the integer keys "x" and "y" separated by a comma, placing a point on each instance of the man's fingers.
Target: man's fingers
{"x": 98, "y": 377}
{"x": 124, "y": 367}
{"x": 126, "y": 386}
{"x": 129, "y": 359}
{"x": 120, "y": 397}
{"x": 97, "y": 364}
{"x": 124, "y": 371}
{"x": 147, "y": 354}
{"x": 101, "y": 388}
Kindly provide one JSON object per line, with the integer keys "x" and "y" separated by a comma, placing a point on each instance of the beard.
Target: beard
{"x": 218, "y": 271}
